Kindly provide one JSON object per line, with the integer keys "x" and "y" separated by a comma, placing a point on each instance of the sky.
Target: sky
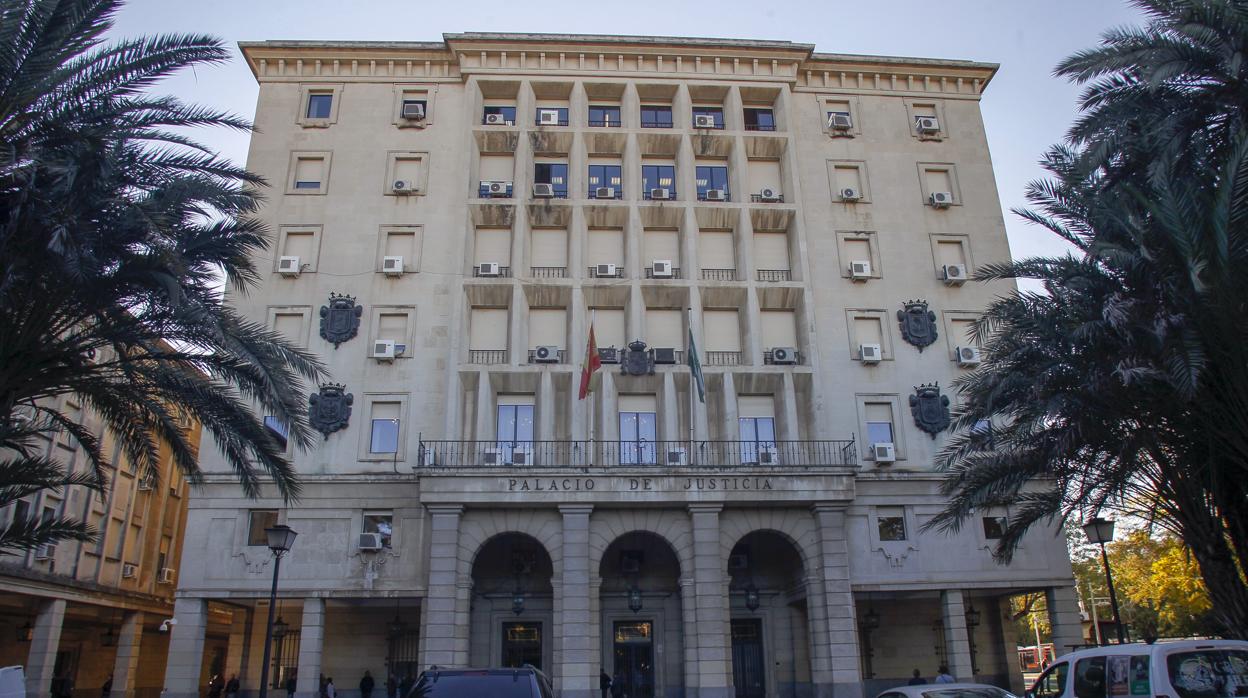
{"x": 1026, "y": 109}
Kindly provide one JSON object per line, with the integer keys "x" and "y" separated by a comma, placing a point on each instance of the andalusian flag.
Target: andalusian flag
{"x": 695, "y": 368}
{"x": 592, "y": 363}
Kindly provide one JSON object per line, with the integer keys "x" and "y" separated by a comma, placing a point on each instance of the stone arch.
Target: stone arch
{"x": 797, "y": 526}
{"x": 478, "y": 528}
{"x": 673, "y": 527}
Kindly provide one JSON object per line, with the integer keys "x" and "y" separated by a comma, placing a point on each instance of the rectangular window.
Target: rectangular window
{"x": 994, "y": 527}
{"x": 771, "y": 252}
{"x": 21, "y": 510}
{"x": 609, "y": 327}
{"x": 554, "y": 174}
{"x": 257, "y": 521}
{"x": 656, "y": 116}
{"x": 381, "y": 523}
{"x": 320, "y": 105}
{"x": 758, "y": 119}
{"x": 892, "y": 523}
{"x": 758, "y": 436}
{"x": 514, "y": 432}
{"x": 488, "y": 329}
{"x": 606, "y": 176}
{"x": 278, "y": 428}
{"x": 879, "y": 422}
{"x": 414, "y": 107}
{"x": 549, "y": 248}
{"x": 638, "y": 432}
{"x": 658, "y": 177}
{"x": 551, "y": 116}
{"x": 308, "y": 173}
{"x": 716, "y": 114}
{"x": 508, "y": 114}
{"x": 711, "y": 177}
{"x": 608, "y": 116}
{"x": 385, "y": 428}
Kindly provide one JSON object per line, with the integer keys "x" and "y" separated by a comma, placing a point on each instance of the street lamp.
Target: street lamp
{"x": 634, "y": 598}
{"x": 752, "y": 600}
{"x": 281, "y": 538}
{"x": 972, "y": 622}
{"x": 1101, "y": 531}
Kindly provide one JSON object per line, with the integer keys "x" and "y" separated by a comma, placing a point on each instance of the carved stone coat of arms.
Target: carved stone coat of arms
{"x": 637, "y": 361}
{"x": 340, "y": 320}
{"x": 918, "y": 324}
{"x": 930, "y": 409}
{"x": 330, "y": 408}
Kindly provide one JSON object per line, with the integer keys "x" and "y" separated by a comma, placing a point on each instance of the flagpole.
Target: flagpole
{"x": 592, "y": 446}
{"x": 692, "y": 388}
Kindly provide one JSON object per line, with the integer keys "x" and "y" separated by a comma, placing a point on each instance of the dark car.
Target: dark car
{"x": 524, "y": 682}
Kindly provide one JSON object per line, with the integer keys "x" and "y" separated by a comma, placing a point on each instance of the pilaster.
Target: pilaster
{"x": 126, "y": 664}
{"x": 438, "y": 637}
{"x": 714, "y": 664}
{"x": 44, "y": 642}
{"x": 577, "y": 670}
{"x": 842, "y": 626}
{"x": 957, "y": 642}
{"x": 186, "y": 648}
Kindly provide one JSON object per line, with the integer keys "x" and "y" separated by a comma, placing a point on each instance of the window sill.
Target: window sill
{"x": 316, "y": 123}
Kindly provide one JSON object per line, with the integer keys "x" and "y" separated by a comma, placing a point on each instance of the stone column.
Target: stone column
{"x": 186, "y": 648}
{"x": 126, "y": 665}
{"x": 957, "y": 642}
{"x": 689, "y": 617}
{"x": 311, "y": 642}
{"x": 44, "y": 642}
{"x": 438, "y": 615}
{"x": 1009, "y": 640}
{"x": 240, "y": 636}
{"x": 817, "y": 622}
{"x": 1064, "y": 618}
{"x": 577, "y": 669}
{"x": 714, "y": 660}
{"x": 838, "y": 598}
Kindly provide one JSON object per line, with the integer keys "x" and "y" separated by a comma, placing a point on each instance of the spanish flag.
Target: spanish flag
{"x": 592, "y": 363}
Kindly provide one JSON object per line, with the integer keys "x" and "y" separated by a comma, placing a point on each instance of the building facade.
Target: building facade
{"x": 449, "y": 220}
{"x": 75, "y": 614}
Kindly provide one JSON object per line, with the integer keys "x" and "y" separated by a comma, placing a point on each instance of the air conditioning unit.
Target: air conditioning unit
{"x": 543, "y": 190}
{"x": 883, "y": 452}
{"x": 676, "y": 455}
{"x": 492, "y": 456}
{"x": 496, "y": 189}
{"x": 45, "y": 552}
{"x": 609, "y": 271}
{"x": 660, "y": 194}
{"x": 546, "y": 355}
{"x": 413, "y": 111}
{"x": 129, "y": 571}
{"x": 664, "y": 355}
{"x": 716, "y": 195}
{"x": 289, "y": 266}
{"x": 703, "y": 121}
{"x": 870, "y": 353}
{"x": 495, "y": 120}
{"x": 968, "y": 356}
{"x": 850, "y": 194}
{"x": 370, "y": 541}
{"x": 166, "y": 576}
{"x": 784, "y": 356}
{"x": 604, "y": 193}
{"x": 840, "y": 121}
{"x": 609, "y": 355}
{"x": 940, "y": 199}
{"x": 392, "y": 265}
{"x": 860, "y": 270}
{"x": 927, "y": 124}
{"x": 488, "y": 269}
{"x": 402, "y": 186}
{"x": 661, "y": 268}
{"x": 768, "y": 455}
{"x": 769, "y": 195}
{"x": 955, "y": 274}
{"x": 387, "y": 349}
{"x": 548, "y": 117}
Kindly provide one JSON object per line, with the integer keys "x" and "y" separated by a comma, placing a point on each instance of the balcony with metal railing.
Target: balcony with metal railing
{"x": 719, "y": 274}
{"x": 628, "y": 454}
{"x": 763, "y": 199}
{"x": 775, "y": 275}
{"x": 548, "y": 272}
{"x": 648, "y": 194}
{"x": 782, "y": 356}
{"x": 605, "y": 271}
{"x": 546, "y": 355}
{"x": 672, "y": 273}
{"x": 605, "y": 123}
{"x": 503, "y": 272}
{"x": 605, "y": 193}
{"x": 723, "y": 358}
{"x": 487, "y": 356}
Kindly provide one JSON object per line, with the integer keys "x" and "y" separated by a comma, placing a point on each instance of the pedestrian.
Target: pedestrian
{"x": 917, "y": 679}
{"x": 617, "y": 686}
{"x": 291, "y": 684}
{"x": 604, "y": 683}
{"x": 107, "y": 689}
{"x": 321, "y": 689}
{"x": 405, "y": 687}
{"x": 943, "y": 675}
{"x": 392, "y": 686}
{"x": 330, "y": 691}
{"x": 366, "y": 685}
{"x": 215, "y": 686}
{"x": 231, "y": 687}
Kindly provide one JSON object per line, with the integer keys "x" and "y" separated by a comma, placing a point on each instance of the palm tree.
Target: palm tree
{"x": 116, "y": 231}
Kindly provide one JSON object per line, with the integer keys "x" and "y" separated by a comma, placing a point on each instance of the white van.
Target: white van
{"x": 1183, "y": 669}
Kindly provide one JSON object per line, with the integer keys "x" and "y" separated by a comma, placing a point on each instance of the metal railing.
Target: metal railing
{"x": 483, "y": 192}
{"x": 775, "y": 275}
{"x": 760, "y": 199}
{"x": 593, "y": 193}
{"x": 723, "y": 358}
{"x": 671, "y": 194}
{"x": 727, "y": 196}
{"x": 549, "y": 272}
{"x": 759, "y": 127}
{"x": 662, "y": 354}
{"x": 674, "y": 275}
{"x": 619, "y": 273}
{"x": 487, "y": 356}
{"x": 717, "y": 126}
{"x": 719, "y": 274}
{"x": 503, "y": 272}
{"x": 769, "y": 358}
{"x": 485, "y": 121}
{"x": 605, "y": 123}
{"x": 609, "y": 454}
{"x": 658, "y": 124}
{"x": 557, "y": 359}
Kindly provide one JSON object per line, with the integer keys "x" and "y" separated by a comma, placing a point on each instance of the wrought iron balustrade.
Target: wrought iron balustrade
{"x": 660, "y": 454}
{"x": 595, "y": 274}
{"x": 487, "y": 356}
{"x": 617, "y": 193}
{"x": 671, "y": 194}
{"x": 558, "y": 357}
{"x": 723, "y": 358}
{"x": 605, "y": 123}
{"x": 759, "y": 127}
{"x": 775, "y": 275}
{"x": 503, "y": 272}
{"x": 657, "y": 124}
{"x": 760, "y": 199}
{"x": 675, "y": 273}
{"x": 719, "y": 274}
{"x": 549, "y": 272}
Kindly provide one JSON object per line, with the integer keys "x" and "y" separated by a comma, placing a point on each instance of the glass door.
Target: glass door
{"x": 634, "y": 658}
{"x": 758, "y": 434}
{"x": 522, "y": 645}
{"x": 515, "y": 434}
{"x": 748, "y": 673}
{"x": 637, "y": 435}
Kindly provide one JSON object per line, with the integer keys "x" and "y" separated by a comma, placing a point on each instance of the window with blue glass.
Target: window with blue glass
{"x": 551, "y": 116}
{"x": 606, "y": 176}
{"x": 553, "y": 173}
{"x": 658, "y": 177}
{"x": 756, "y": 434}
{"x": 320, "y": 105}
{"x": 711, "y": 177}
{"x": 656, "y": 116}
{"x": 759, "y": 119}
{"x": 514, "y": 432}
{"x": 604, "y": 116}
{"x": 508, "y": 114}
{"x": 637, "y": 437}
{"x": 385, "y": 436}
{"x": 278, "y": 429}
{"x": 716, "y": 114}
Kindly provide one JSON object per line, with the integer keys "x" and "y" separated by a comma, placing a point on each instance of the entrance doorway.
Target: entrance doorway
{"x": 522, "y": 645}
{"x": 634, "y": 657}
{"x": 748, "y": 671}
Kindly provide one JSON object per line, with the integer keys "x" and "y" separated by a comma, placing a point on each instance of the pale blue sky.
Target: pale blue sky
{"x": 1025, "y": 108}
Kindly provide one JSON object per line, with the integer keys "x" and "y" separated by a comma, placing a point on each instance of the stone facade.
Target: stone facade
{"x": 759, "y": 543}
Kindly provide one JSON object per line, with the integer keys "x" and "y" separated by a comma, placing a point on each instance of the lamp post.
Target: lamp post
{"x": 869, "y": 623}
{"x": 1101, "y": 531}
{"x": 972, "y": 622}
{"x": 281, "y": 538}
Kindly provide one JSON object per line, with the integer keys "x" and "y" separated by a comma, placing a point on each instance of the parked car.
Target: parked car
{"x": 12, "y": 682}
{"x": 1182, "y": 669}
{"x": 524, "y": 682}
{"x": 947, "y": 690}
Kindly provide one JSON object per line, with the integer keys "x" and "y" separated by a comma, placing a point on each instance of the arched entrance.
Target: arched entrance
{"x": 770, "y": 630}
{"x": 642, "y": 626}
{"x": 512, "y": 607}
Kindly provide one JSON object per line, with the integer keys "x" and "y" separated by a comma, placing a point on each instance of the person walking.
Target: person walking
{"x": 917, "y": 679}
{"x": 107, "y": 689}
{"x": 215, "y": 686}
{"x": 405, "y": 687}
{"x": 392, "y": 686}
{"x": 291, "y": 684}
{"x": 943, "y": 675}
{"x": 330, "y": 690}
{"x": 231, "y": 687}
{"x": 366, "y": 685}
{"x": 604, "y": 683}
